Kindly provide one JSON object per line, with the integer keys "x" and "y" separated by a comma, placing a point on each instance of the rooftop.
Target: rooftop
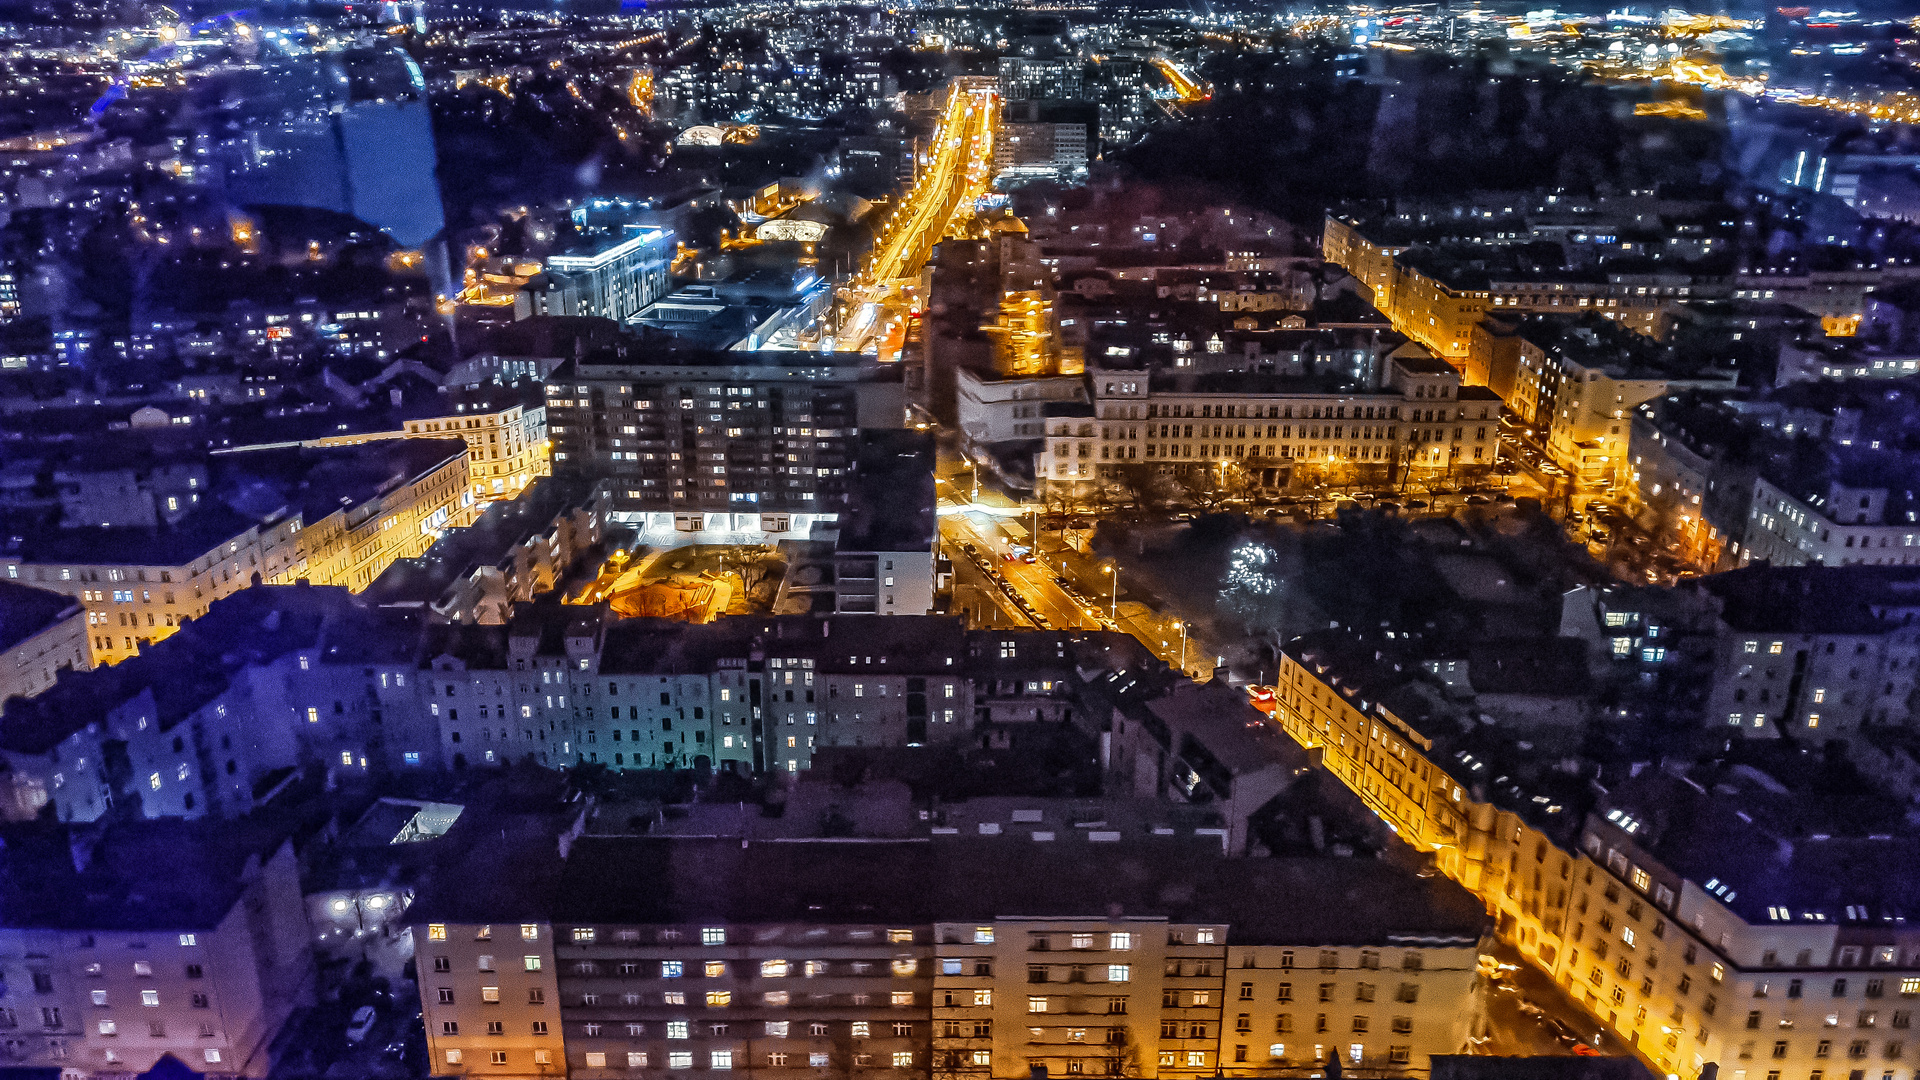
{"x": 1330, "y": 902}
{"x": 54, "y": 878}
{"x": 26, "y": 611}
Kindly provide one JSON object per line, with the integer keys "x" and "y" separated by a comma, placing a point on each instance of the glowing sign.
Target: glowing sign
{"x": 791, "y": 229}
{"x": 704, "y": 135}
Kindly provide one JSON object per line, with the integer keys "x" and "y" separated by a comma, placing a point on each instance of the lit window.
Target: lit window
{"x": 716, "y": 969}
{"x": 718, "y": 999}
{"x": 679, "y": 1059}
{"x": 1118, "y": 973}
{"x": 1036, "y": 1004}
{"x": 436, "y": 931}
{"x": 983, "y": 935}
{"x": 773, "y": 969}
{"x": 1120, "y": 941}
{"x": 713, "y": 935}
{"x": 676, "y": 1029}
{"x": 529, "y": 932}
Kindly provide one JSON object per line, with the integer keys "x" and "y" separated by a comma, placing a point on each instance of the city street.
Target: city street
{"x": 1526, "y": 1014}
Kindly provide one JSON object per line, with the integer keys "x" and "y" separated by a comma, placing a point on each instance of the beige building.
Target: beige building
{"x": 42, "y": 633}
{"x": 1421, "y": 422}
{"x": 1685, "y": 971}
{"x": 506, "y": 444}
{"x": 489, "y": 999}
{"x": 804, "y": 958}
{"x": 346, "y": 514}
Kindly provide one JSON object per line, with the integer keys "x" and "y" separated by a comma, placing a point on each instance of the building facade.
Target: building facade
{"x": 357, "y": 510}
{"x": 1421, "y": 422}
{"x": 742, "y": 447}
{"x": 42, "y": 633}
{"x": 765, "y": 968}
{"x": 108, "y": 989}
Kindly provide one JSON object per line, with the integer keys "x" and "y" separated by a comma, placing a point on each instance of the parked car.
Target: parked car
{"x": 361, "y": 1024}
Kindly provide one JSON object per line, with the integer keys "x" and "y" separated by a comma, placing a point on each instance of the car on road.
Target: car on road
{"x": 1581, "y": 1049}
{"x": 1478, "y": 500}
{"x": 361, "y": 1024}
{"x": 1558, "y": 1029}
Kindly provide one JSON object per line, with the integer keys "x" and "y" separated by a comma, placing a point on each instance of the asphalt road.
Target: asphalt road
{"x": 1514, "y": 1028}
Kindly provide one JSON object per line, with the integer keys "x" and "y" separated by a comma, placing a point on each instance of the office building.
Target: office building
{"x": 1421, "y": 420}
{"x": 612, "y": 276}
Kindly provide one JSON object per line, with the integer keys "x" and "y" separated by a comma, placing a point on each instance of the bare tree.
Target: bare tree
{"x": 1208, "y": 487}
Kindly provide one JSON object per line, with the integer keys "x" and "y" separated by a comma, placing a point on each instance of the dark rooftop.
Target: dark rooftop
{"x": 890, "y": 496}
{"x": 1328, "y": 901}
{"x": 26, "y": 611}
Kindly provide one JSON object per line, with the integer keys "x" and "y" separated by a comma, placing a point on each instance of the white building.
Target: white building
{"x": 995, "y": 410}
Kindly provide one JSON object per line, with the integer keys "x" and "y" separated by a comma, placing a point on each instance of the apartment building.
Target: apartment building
{"x": 729, "y": 447}
{"x": 1685, "y": 479}
{"x": 1666, "y": 945}
{"x": 1852, "y": 519}
{"x": 205, "y": 723}
{"x": 1420, "y": 420}
{"x": 506, "y": 446}
{"x": 1784, "y": 966}
{"x": 42, "y": 633}
{"x": 115, "y": 967}
{"x": 278, "y": 678}
{"x": 954, "y": 957}
{"x": 1578, "y": 381}
{"x": 328, "y": 516}
{"x": 1813, "y": 651}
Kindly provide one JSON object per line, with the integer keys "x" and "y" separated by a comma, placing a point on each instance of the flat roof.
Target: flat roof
{"x": 1308, "y": 901}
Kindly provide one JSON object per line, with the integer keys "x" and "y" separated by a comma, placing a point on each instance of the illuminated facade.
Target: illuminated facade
{"x": 389, "y": 501}
{"x": 1422, "y": 419}
{"x": 46, "y": 634}
{"x": 613, "y": 281}
{"x": 1679, "y": 972}
{"x": 943, "y": 965}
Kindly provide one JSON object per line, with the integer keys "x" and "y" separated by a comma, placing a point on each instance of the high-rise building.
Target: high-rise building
{"x": 347, "y": 131}
{"x": 1056, "y": 79}
{"x": 729, "y": 447}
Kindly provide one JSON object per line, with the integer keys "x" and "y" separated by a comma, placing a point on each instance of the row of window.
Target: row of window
{"x": 769, "y": 969}
{"x": 1865, "y": 1018}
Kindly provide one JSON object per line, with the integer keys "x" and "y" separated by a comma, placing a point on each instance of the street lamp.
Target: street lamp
{"x": 1113, "y": 606}
{"x": 1182, "y": 627}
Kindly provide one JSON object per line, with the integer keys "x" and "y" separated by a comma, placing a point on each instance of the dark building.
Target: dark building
{"x": 720, "y": 447}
